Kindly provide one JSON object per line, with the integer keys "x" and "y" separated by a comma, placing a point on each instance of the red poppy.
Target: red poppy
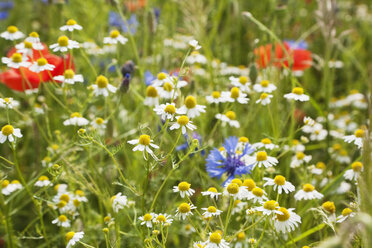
{"x": 300, "y": 58}
{"x": 134, "y": 5}
{"x": 30, "y": 80}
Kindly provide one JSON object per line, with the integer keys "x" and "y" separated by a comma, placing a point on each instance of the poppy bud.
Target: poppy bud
{"x": 124, "y": 86}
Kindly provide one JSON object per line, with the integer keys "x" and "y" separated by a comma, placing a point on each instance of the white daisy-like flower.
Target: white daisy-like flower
{"x": 194, "y": 44}
{"x": 258, "y": 195}
{"x": 26, "y": 48}
{"x": 196, "y": 58}
{"x": 356, "y": 138}
{"x": 269, "y": 208}
{"x": 12, "y": 33}
{"x": 102, "y": 86}
{"x": 166, "y": 111}
{"x": 43, "y": 181}
{"x": 243, "y": 192}
{"x": 215, "y": 240}
{"x": 230, "y": 118}
{"x": 308, "y": 124}
{"x": 299, "y": 159}
{"x": 212, "y": 193}
{"x": 264, "y": 99}
{"x": 297, "y": 94}
{"x": 162, "y": 219}
{"x": 318, "y": 132}
{"x": 8, "y": 102}
{"x": 346, "y": 213}
{"x": 16, "y": 61}
{"x": 265, "y": 143}
{"x": 280, "y": 184}
{"x": 152, "y": 96}
{"x": 70, "y": 26}
{"x": 8, "y": 132}
{"x": 264, "y": 86}
{"x": 241, "y": 241}
{"x": 296, "y": 146}
{"x": 211, "y": 211}
{"x": 115, "y": 38}
{"x": 119, "y": 201}
{"x": 191, "y": 108}
{"x": 354, "y": 95}
{"x": 287, "y": 221}
{"x": 238, "y": 207}
{"x": 144, "y": 143}
{"x": 184, "y": 123}
{"x": 80, "y": 196}
{"x": 160, "y": 79}
{"x": 259, "y": 159}
{"x": 308, "y": 192}
{"x": 34, "y": 38}
{"x": 72, "y": 238}
{"x": 184, "y": 210}
{"x": 184, "y": 189}
{"x": 9, "y": 187}
{"x": 168, "y": 90}
{"x": 40, "y": 65}
{"x": 99, "y": 124}
{"x": 354, "y": 173}
{"x": 64, "y": 44}
{"x": 69, "y": 77}
{"x": 318, "y": 169}
{"x": 62, "y": 220}
{"x": 76, "y": 119}
{"x": 215, "y": 97}
{"x": 241, "y": 82}
{"x": 234, "y": 95}
{"x": 61, "y": 188}
{"x": 147, "y": 219}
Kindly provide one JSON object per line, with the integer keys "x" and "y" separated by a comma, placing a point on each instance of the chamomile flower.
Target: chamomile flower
{"x": 70, "y": 26}
{"x": 299, "y": 159}
{"x": 147, "y": 219}
{"x": 287, "y": 221}
{"x": 16, "y": 61}
{"x": 64, "y": 44}
{"x": 230, "y": 118}
{"x": 191, "y": 108}
{"x": 168, "y": 90}
{"x": 76, "y": 119}
{"x": 258, "y": 195}
{"x": 297, "y": 94}
{"x": 318, "y": 169}
{"x": 261, "y": 158}
{"x": 215, "y": 240}
{"x": 329, "y": 207}
{"x": 8, "y": 102}
{"x": 118, "y": 202}
{"x": 240, "y": 240}
{"x": 72, "y": 238}
{"x": 12, "y": 33}
{"x": 346, "y": 213}
{"x": 211, "y": 211}
{"x": 280, "y": 184}
{"x": 308, "y": 192}
{"x": 241, "y": 82}
{"x": 8, "y": 132}
{"x": 69, "y": 77}
{"x": 34, "y": 38}
{"x": 265, "y": 143}
{"x": 62, "y": 221}
{"x": 184, "y": 210}
{"x": 269, "y": 208}
{"x": 264, "y": 99}
{"x": 215, "y": 97}
{"x": 232, "y": 189}
{"x": 144, "y": 143}
{"x": 43, "y": 181}
{"x": 211, "y": 192}
{"x": 243, "y": 190}
{"x": 40, "y": 65}
{"x": 152, "y": 96}
{"x": 162, "y": 219}
{"x": 234, "y": 95}
{"x": 196, "y": 58}
{"x": 9, "y": 187}
{"x": 356, "y": 138}
{"x": 184, "y": 189}
{"x": 26, "y": 48}
{"x": 160, "y": 79}
{"x": 198, "y": 244}
{"x": 296, "y": 146}
{"x": 318, "y": 133}
{"x": 238, "y": 207}
{"x": 194, "y": 44}
{"x": 115, "y": 38}
{"x": 264, "y": 86}
{"x": 354, "y": 172}
{"x": 99, "y": 124}
{"x": 183, "y": 122}
{"x": 166, "y": 111}
{"x": 102, "y": 86}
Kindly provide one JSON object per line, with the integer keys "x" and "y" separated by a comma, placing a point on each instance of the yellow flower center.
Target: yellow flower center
{"x": 114, "y": 34}
{"x": 71, "y": 22}
{"x": 357, "y": 166}
{"x": 151, "y": 91}
{"x": 168, "y": 87}
{"x": 183, "y": 120}
{"x": 240, "y": 236}
{"x": 63, "y": 41}
{"x": 264, "y": 83}
{"x": 190, "y": 102}
{"x": 16, "y": 57}
{"x": 216, "y": 94}
{"x": 7, "y": 100}
{"x": 43, "y": 178}
{"x": 243, "y": 79}
{"x": 243, "y": 139}
{"x": 263, "y": 96}
{"x": 5, "y": 183}
{"x": 161, "y": 218}
{"x": 212, "y": 209}
{"x": 359, "y": 133}
{"x": 336, "y": 147}
{"x": 346, "y": 211}
{"x": 69, "y": 74}
{"x": 99, "y": 121}
{"x": 34, "y": 35}
{"x": 295, "y": 142}
{"x": 308, "y": 187}
{"x": 12, "y": 29}
{"x": 76, "y": 202}
{"x": 101, "y": 82}
{"x": 233, "y": 188}
{"x": 28, "y": 45}
{"x": 64, "y": 197}
{"x": 54, "y": 147}
{"x": 61, "y": 204}
{"x": 234, "y": 92}
{"x": 79, "y": 192}
{"x": 236, "y": 202}
{"x": 249, "y": 183}
{"x": 343, "y": 152}
{"x": 329, "y": 207}
{"x": 144, "y": 139}
{"x": 279, "y": 180}
{"x": 170, "y": 109}
{"x": 320, "y": 165}
{"x": 231, "y": 115}
{"x": 107, "y": 218}
{"x": 75, "y": 114}
{"x": 184, "y": 186}
{"x": 69, "y": 236}
{"x": 42, "y": 62}
{"x": 257, "y": 192}
{"x": 212, "y": 189}
{"x": 270, "y": 205}
{"x": 162, "y": 76}
{"x": 266, "y": 141}
{"x": 297, "y": 91}
{"x": 7, "y": 130}
{"x": 284, "y": 216}
{"x": 261, "y": 156}
{"x": 147, "y": 217}
{"x": 15, "y": 182}
{"x": 300, "y": 155}
{"x": 184, "y": 208}
{"x": 237, "y": 181}
{"x": 215, "y": 238}
{"x": 62, "y": 218}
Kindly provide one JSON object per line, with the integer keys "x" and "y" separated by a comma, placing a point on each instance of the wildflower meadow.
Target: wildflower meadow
{"x": 185, "y": 124}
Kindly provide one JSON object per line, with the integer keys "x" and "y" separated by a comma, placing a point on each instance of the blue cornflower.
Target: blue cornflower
{"x": 115, "y": 20}
{"x": 148, "y": 77}
{"x": 4, "y": 9}
{"x": 229, "y": 159}
{"x": 296, "y": 44}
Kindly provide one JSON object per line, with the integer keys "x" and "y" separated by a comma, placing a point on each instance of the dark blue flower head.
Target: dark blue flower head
{"x": 229, "y": 160}
{"x": 115, "y": 20}
{"x": 148, "y": 77}
{"x": 301, "y": 44}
